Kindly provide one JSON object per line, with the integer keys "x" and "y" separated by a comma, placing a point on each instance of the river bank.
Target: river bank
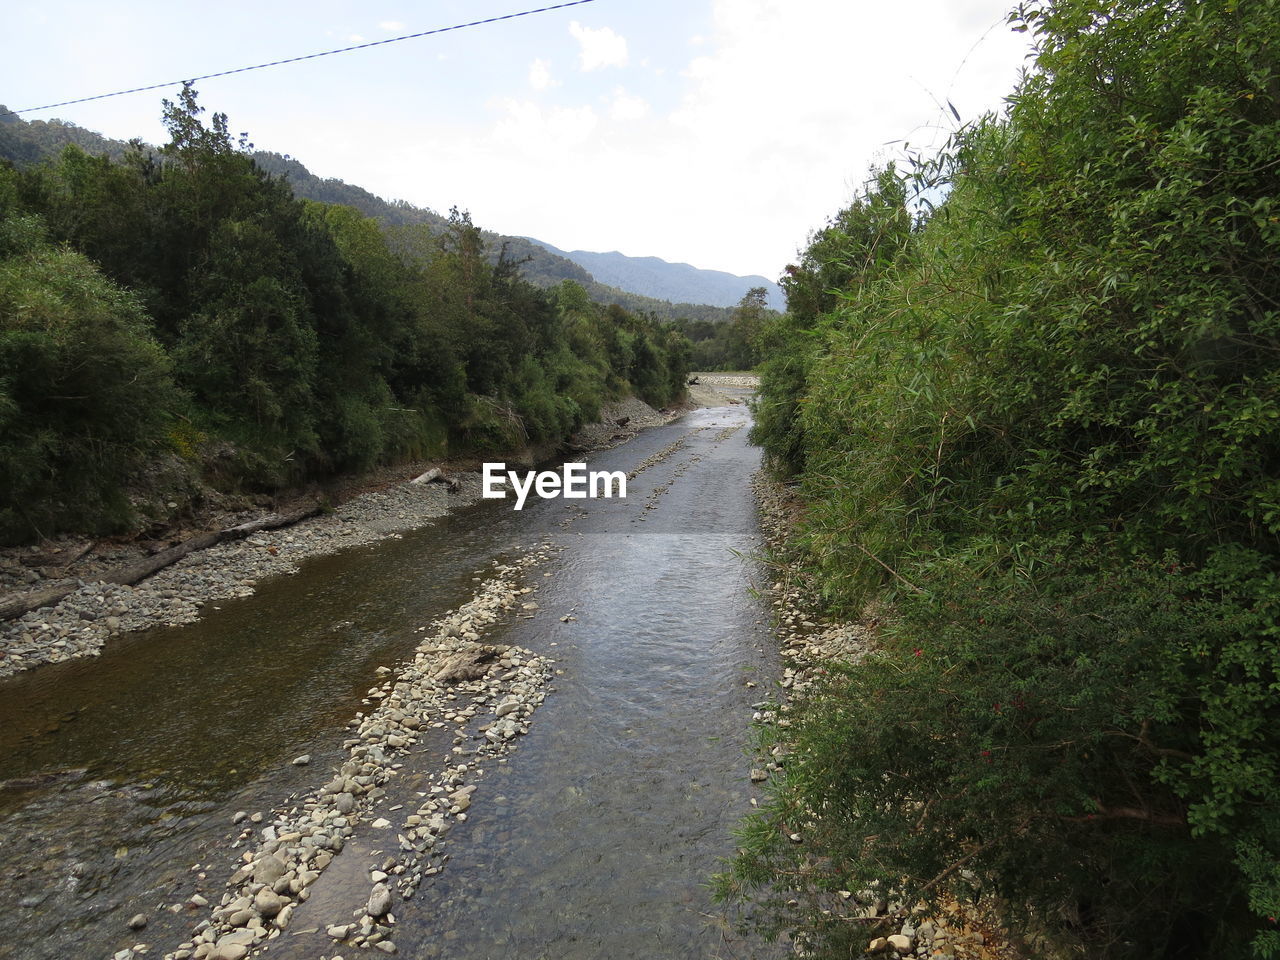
{"x": 81, "y": 624}
{"x": 810, "y": 644}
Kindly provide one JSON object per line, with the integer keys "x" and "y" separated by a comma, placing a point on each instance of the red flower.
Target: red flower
{"x": 917, "y": 651}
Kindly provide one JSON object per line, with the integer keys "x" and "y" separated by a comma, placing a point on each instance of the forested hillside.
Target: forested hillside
{"x": 27, "y": 142}
{"x": 655, "y": 277}
{"x": 187, "y": 305}
{"x": 1036, "y": 432}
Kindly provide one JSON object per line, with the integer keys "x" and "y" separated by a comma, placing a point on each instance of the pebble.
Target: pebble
{"x": 138, "y": 921}
{"x": 267, "y": 902}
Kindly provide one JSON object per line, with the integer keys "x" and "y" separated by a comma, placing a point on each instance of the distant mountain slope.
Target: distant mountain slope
{"x": 543, "y": 265}
{"x": 24, "y": 142}
{"x": 655, "y": 277}
{"x": 30, "y": 141}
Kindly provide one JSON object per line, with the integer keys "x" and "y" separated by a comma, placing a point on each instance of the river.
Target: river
{"x": 595, "y": 839}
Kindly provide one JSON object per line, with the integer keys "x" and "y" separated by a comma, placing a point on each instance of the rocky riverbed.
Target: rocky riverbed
{"x": 81, "y": 624}
{"x": 810, "y": 643}
{"x": 595, "y": 843}
{"x": 481, "y": 694}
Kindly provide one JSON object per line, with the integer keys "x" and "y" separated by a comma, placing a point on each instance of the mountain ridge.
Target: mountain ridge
{"x": 665, "y": 279}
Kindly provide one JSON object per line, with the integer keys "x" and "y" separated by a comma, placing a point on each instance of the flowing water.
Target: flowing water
{"x": 596, "y": 838}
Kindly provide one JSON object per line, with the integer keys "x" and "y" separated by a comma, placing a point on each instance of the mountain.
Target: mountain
{"x": 24, "y": 142}
{"x": 541, "y": 263}
{"x": 654, "y": 277}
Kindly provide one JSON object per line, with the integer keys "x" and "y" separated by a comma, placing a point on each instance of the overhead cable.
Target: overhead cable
{"x": 309, "y": 56}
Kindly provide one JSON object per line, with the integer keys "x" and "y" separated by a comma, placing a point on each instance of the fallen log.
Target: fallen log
{"x": 128, "y": 575}
{"x": 436, "y": 475}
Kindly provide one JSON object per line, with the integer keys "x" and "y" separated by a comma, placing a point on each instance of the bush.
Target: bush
{"x": 85, "y": 391}
{"x": 1036, "y": 725}
{"x": 1044, "y": 427}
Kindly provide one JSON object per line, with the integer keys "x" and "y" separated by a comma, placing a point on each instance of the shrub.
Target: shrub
{"x": 84, "y": 389}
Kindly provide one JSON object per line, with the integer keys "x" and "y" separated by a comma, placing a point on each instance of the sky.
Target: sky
{"x": 719, "y": 133}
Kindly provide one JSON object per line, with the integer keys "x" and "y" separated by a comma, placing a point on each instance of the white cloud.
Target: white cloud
{"x": 355, "y": 38}
{"x": 626, "y": 107}
{"x": 526, "y": 125}
{"x": 598, "y": 48}
{"x": 790, "y": 102}
{"x": 391, "y": 26}
{"x": 777, "y": 118}
{"x": 540, "y": 75}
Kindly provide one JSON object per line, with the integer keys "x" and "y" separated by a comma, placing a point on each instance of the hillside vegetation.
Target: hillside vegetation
{"x": 188, "y": 305}
{"x": 1037, "y": 434}
{"x": 28, "y": 142}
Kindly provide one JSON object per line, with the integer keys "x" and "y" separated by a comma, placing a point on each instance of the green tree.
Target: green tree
{"x": 1042, "y": 432}
{"x": 85, "y": 392}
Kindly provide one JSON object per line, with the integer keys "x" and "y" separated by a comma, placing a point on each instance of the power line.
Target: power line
{"x": 309, "y": 56}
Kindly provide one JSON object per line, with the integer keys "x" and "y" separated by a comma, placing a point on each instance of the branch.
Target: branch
{"x": 895, "y": 573}
{"x": 1142, "y": 737}
{"x": 1130, "y": 813}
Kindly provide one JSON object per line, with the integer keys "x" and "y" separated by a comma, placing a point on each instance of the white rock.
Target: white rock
{"x": 379, "y": 900}
{"x": 267, "y": 902}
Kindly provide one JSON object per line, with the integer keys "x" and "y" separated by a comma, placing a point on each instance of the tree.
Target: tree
{"x": 85, "y": 392}
{"x": 1041, "y": 434}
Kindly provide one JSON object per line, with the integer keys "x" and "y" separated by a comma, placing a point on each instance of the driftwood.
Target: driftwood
{"x": 436, "y": 475}
{"x": 128, "y": 575}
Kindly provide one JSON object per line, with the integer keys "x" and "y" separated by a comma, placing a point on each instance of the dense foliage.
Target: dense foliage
{"x": 189, "y": 302}
{"x": 732, "y": 345}
{"x": 1041, "y": 428}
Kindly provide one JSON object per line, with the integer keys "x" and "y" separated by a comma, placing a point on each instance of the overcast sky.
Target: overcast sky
{"x": 713, "y": 132}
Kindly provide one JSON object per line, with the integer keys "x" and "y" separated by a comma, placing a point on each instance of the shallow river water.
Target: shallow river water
{"x": 594, "y": 840}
